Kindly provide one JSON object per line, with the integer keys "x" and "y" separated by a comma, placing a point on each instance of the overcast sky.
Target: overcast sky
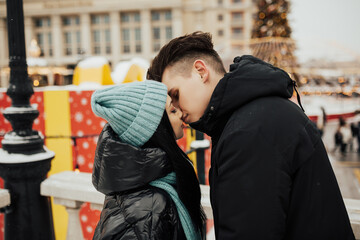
{"x": 327, "y": 29}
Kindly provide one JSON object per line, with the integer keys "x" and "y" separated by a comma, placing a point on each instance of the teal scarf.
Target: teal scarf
{"x": 166, "y": 183}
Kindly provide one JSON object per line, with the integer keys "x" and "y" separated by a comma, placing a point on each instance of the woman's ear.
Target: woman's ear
{"x": 202, "y": 69}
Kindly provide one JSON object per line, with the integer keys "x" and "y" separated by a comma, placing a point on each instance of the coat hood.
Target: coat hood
{"x": 120, "y": 167}
{"x": 249, "y": 78}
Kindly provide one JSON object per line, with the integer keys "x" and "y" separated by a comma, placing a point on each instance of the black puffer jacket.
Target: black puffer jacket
{"x": 133, "y": 209}
{"x": 270, "y": 175}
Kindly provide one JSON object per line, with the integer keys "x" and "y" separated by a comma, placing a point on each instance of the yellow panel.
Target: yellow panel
{"x": 107, "y": 80}
{"x": 60, "y": 218}
{"x": 99, "y": 75}
{"x": 135, "y": 73}
{"x": 90, "y": 75}
{"x": 57, "y": 123}
{"x": 76, "y": 76}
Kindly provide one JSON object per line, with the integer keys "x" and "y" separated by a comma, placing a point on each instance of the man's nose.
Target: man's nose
{"x": 179, "y": 113}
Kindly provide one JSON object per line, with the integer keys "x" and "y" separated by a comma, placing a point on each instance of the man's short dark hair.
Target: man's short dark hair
{"x": 191, "y": 46}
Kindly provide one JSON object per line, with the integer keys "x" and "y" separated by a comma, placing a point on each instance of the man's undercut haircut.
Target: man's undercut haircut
{"x": 186, "y": 49}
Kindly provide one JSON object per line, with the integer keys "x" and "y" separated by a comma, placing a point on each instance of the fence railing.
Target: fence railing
{"x": 72, "y": 189}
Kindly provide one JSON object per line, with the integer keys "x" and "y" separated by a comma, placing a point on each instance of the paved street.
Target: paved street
{"x": 346, "y": 168}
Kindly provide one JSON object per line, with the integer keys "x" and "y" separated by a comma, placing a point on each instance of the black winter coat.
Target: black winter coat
{"x": 132, "y": 208}
{"x": 270, "y": 175}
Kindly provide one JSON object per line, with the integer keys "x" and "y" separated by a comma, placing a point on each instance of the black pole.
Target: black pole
{"x": 200, "y": 159}
{"x": 24, "y": 161}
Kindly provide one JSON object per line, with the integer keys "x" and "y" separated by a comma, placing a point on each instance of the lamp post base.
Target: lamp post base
{"x": 29, "y": 215}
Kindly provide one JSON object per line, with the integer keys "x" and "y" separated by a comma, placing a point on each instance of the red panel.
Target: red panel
{"x": 85, "y": 127}
{"x": 37, "y": 100}
{"x": 89, "y": 219}
{"x": 334, "y": 116}
{"x": 343, "y": 115}
{"x": 182, "y": 141}
{"x": 85, "y": 153}
{"x": 83, "y": 120}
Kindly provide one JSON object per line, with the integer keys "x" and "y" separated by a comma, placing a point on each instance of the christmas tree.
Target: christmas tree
{"x": 271, "y": 36}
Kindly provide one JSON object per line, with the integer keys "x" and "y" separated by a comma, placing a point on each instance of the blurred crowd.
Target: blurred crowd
{"x": 347, "y": 137}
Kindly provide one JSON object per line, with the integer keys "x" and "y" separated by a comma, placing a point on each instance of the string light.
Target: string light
{"x": 36, "y": 83}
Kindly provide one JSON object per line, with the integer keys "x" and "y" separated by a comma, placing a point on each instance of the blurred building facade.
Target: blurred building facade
{"x": 69, "y": 30}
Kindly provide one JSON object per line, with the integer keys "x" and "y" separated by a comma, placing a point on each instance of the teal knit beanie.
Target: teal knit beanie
{"x": 133, "y": 110}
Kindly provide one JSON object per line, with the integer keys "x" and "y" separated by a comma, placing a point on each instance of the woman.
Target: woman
{"x": 150, "y": 185}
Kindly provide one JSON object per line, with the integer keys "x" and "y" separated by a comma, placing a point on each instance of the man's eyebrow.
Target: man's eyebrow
{"x": 171, "y": 92}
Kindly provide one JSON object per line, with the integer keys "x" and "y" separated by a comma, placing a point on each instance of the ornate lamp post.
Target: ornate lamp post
{"x": 24, "y": 160}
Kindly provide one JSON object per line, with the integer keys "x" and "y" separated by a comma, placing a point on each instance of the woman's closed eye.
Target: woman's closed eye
{"x": 173, "y": 110}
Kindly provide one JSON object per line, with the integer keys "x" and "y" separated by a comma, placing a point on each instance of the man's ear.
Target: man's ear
{"x": 202, "y": 69}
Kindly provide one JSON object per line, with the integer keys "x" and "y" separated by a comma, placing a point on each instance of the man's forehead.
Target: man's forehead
{"x": 169, "y": 79}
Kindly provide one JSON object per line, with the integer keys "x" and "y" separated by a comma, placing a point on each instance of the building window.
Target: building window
{"x": 220, "y": 33}
{"x": 236, "y": 1}
{"x": 71, "y": 36}
{"x": 162, "y": 31}
{"x": 237, "y": 33}
{"x": 107, "y": 41}
{"x": 220, "y": 2}
{"x": 155, "y": 16}
{"x": 137, "y": 17}
{"x": 156, "y": 33}
{"x": 220, "y": 17}
{"x": 168, "y": 15}
{"x": 168, "y": 33}
{"x": 43, "y": 22}
{"x": 138, "y": 40}
{"x": 43, "y": 36}
{"x": 131, "y": 32}
{"x": 101, "y": 36}
{"x": 237, "y": 17}
{"x": 125, "y": 33}
{"x": 125, "y": 17}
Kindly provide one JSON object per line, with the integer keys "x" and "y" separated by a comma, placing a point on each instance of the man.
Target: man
{"x": 270, "y": 175}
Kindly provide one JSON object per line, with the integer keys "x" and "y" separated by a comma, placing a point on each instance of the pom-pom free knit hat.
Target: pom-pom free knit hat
{"x": 133, "y": 110}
